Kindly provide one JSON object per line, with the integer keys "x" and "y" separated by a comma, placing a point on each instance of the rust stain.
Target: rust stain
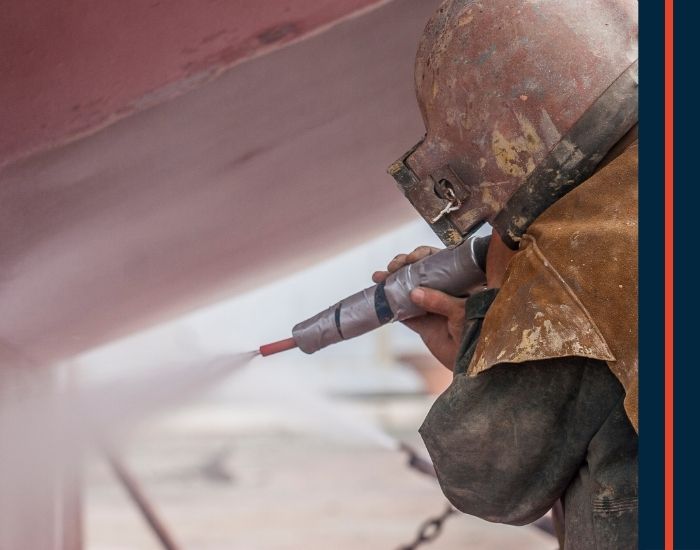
{"x": 278, "y": 32}
{"x": 515, "y": 157}
{"x": 507, "y": 155}
{"x": 213, "y": 36}
{"x": 465, "y": 19}
{"x": 488, "y": 198}
{"x": 453, "y": 236}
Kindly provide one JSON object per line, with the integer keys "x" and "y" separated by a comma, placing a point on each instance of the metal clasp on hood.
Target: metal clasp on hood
{"x": 434, "y": 197}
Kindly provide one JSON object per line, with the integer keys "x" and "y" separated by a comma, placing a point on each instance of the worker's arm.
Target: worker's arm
{"x": 508, "y": 442}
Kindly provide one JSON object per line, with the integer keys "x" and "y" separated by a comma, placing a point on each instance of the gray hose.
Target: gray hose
{"x": 458, "y": 271}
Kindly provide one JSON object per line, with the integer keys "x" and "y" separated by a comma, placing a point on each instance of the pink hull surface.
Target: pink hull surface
{"x": 268, "y": 167}
{"x": 72, "y": 67}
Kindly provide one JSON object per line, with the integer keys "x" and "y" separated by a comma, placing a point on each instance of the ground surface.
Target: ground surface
{"x": 238, "y": 477}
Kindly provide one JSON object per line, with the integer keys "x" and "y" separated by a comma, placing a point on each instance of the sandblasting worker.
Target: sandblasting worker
{"x": 530, "y": 110}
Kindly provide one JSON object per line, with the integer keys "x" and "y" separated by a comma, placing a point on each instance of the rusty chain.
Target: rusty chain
{"x": 429, "y": 529}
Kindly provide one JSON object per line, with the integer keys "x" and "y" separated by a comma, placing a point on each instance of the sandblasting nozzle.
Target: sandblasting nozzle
{"x": 458, "y": 271}
{"x": 277, "y": 347}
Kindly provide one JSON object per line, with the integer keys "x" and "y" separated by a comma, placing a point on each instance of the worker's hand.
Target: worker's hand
{"x": 403, "y": 259}
{"x": 441, "y": 328}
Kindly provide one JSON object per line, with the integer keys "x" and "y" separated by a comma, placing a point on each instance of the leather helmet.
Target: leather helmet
{"x": 521, "y": 99}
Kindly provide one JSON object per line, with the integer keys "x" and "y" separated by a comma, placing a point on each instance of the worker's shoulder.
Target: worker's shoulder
{"x": 572, "y": 288}
{"x": 603, "y": 206}
{"x": 588, "y": 239}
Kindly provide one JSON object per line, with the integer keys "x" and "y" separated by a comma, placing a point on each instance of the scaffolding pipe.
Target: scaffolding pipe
{"x": 128, "y": 480}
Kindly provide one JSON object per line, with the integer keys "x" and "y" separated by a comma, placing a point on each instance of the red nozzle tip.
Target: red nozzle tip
{"x": 277, "y": 347}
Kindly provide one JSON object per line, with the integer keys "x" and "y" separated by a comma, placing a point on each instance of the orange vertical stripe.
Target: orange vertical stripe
{"x": 668, "y": 275}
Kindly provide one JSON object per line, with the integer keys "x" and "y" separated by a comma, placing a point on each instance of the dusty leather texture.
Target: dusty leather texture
{"x": 572, "y": 288}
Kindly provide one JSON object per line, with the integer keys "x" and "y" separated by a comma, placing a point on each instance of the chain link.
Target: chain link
{"x": 429, "y": 529}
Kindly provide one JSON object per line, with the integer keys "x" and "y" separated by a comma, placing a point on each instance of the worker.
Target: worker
{"x": 530, "y": 110}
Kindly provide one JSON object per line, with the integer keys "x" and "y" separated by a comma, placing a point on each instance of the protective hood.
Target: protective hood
{"x": 572, "y": 288}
